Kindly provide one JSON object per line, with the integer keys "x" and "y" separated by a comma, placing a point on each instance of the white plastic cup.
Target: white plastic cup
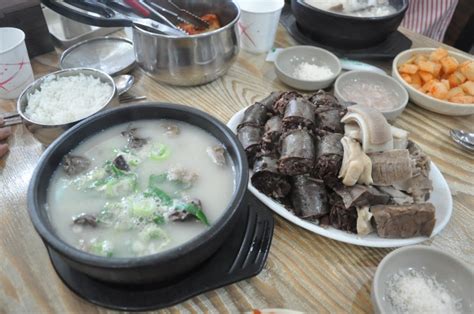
{"x": 15, "y": 68}
{"x": 258, "y": 24}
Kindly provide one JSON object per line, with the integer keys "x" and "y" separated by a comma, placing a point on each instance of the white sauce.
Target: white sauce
{"x": 214, "y": 187}
{"x": 372, "y": 94}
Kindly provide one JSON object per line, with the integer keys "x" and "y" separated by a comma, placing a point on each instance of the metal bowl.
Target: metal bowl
{"x": 191, "y": 60}
{"x": 47, "y": 133}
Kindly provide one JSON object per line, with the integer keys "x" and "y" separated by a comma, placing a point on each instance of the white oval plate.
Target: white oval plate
{"x": 440, "y": 197}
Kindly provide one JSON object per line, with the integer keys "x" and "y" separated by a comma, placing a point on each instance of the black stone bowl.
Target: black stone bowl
{"x": 154, "y": 268}
{"x": 344, "y": 31}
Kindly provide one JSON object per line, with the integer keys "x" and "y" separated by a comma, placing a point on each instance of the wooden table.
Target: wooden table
{"x": 304, "y": 271}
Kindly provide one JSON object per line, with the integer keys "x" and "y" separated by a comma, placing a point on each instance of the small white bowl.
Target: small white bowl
{"x": 453, "y": 274}
{"x": 366, "y": 77}
{"x": 288, "y": 59}
{"x": 423, "y": 100}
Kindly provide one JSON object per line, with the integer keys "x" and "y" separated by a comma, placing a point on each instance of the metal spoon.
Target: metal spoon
{"x": 463, "y": 138}
{"x": 124, "y": 83}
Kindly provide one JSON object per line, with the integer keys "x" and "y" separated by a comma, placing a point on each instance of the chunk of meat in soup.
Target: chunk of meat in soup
{"x": 133, "y": 140}
{"x": 217, "y": 154}
{"x": 74, "y": 165}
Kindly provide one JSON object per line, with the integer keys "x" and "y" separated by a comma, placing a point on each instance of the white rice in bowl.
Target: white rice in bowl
{"x": 65, "y": 99}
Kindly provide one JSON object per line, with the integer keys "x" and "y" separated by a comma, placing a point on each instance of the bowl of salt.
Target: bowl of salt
{"x": 307, "y": 68}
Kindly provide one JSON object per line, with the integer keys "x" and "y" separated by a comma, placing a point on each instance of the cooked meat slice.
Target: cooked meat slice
{"x": 279, "y": 106}
{"x": 375, "y": 132}
{"x": 323, "y": 101}
{"x": 217, "y": 154}
{"x": 298, "y": 114}
{"x": 297, "y": 153}
{"x": 251, "y": 138}
{"x": 400, "y": 138}
{"x": 419, "y": 187}
{"x": 329, "y": 154}
{"x": 271, "y": 137}
{"x": 391, "y": 166}
{"x": 178, "y": 173}
{"x": 360, "y": 195}
{"x": 267, "y": 179}
{"x": 330, "y": 121}
{"x": 85, "y": 220}
{"x": 396, "y": 196}
{"x": 255, "y": 115}
{"x": 340, "y": 217}
{"x": 356, "y": 165}
{"x": 422, "y": 161}
{"x": 270, "y": 100}
{"x": 364, "y": 224}
{"x": 309, "y": 197}
{"x": 120, "y": 163}
{"x": 73, "y": 164}
{"x": 133, "y": 140}
{"x": 404, "y": 221}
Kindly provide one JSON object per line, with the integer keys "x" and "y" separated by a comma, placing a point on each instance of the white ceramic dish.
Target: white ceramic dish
{"x": 423, "y": 100}
{"x": 288, "y": 59}
{"x": 440, "y": 197}
{"x": 365, "y": 77}
{"x": 448, "y": 271}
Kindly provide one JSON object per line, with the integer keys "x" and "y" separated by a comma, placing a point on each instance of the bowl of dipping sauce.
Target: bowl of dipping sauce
{"x": 372, "y": 89}
{"x": 307, "y": 68}
{"x": 422, "y": 279}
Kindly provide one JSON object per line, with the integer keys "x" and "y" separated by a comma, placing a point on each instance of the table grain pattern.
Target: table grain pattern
{"x": 304, "y": 271}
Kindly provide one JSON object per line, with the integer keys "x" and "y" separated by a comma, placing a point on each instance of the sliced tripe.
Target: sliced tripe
{"x": 375, "y": 132}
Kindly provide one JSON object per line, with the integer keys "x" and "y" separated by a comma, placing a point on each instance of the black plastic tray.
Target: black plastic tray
{"x": 388, "y": 49}
{"x": 242, "y": 256}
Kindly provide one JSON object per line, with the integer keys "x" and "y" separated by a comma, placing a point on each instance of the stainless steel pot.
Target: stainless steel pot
{"x": 177, "y": 60}
{"x": 191, "y": 60}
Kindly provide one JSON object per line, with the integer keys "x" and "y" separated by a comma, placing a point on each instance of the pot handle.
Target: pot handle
{"x": 110, "y": 20}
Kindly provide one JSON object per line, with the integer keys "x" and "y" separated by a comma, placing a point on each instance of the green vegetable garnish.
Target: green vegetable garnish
{"x": 102, "y": 248}
{"x": 159, "y": 219}
{"x": 160, "y": 152}
{"x": 195, "y": 211}
{"x": 143, "y": 207}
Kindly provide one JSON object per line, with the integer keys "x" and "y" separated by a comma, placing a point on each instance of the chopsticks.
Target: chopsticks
{"x": 10, "y": 118}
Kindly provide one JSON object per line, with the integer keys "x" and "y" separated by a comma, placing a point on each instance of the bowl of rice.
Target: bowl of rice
{"x": 307, "y": 68}
{"x": 57, "y": 101}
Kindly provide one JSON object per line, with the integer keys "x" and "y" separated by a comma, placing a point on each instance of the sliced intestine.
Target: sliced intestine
{"x": 364, "y": 226}
{"x": 374, "y": 133}
{"x": 400, "y": 138}
{"x": 356, "y": 165}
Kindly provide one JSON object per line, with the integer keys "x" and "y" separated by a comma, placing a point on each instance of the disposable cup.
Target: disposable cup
{"x": 15, "y": 67}
{"x": 258, "y": 24}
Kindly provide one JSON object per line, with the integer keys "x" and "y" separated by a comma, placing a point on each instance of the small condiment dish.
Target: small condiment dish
{"x": 453, "y": 274}
{"x": 288, "y": 59}
{"x": 426, "y": 101}
{"x": 365, "y": 78}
